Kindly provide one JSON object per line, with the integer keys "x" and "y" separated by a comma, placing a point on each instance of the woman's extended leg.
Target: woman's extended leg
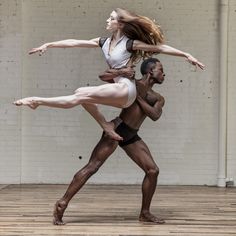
{"x": 108, "y": 94}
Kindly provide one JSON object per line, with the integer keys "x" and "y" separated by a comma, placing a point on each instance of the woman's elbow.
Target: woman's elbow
{"x": 160, "y": 48}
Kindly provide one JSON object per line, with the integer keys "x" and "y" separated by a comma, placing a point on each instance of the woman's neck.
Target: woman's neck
{"x": 117, "y": 35}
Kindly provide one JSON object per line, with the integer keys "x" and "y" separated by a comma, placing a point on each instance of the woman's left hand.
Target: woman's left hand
{"x": 192, "y": 60}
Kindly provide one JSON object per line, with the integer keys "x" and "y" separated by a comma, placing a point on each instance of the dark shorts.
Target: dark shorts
{"x": 128, "y": 134}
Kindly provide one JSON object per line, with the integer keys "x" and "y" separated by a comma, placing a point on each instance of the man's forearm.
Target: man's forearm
{"x": 153, "y": 112}
{"x": 110, "y": 74}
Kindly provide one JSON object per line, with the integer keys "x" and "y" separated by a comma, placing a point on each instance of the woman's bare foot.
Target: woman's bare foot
{"x": 30, "y": 102}
{"x": 58, "y": 212}
{"x": 109, "y": 130}
{"x": 148, "y": 217}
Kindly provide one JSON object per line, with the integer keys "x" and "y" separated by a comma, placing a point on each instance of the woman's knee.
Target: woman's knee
{"x": 69, "y": 105}
{"x": 82, "y": 95}
{"x": 71, "y": 102}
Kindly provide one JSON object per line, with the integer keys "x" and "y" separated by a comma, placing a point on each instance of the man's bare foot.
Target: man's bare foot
{"x": 58, "y": 212}
{"x": 30, "y": 102}
{"x": 109, "y": 130}
{"x": 148, "y": 217}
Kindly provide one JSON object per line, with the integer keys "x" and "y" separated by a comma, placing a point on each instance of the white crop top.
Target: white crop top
{"x": 120, "y": 55}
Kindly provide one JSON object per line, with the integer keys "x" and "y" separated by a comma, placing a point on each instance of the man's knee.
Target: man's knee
{"x": 153, "y": 171}
{"x": 93, "y": 167}
{"x": 90, "y": 169}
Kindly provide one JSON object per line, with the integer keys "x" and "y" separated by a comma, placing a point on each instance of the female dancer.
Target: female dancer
{"x": 133, "y": 37}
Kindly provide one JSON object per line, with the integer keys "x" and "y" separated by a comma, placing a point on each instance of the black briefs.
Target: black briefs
{"x": 128, "y": 134}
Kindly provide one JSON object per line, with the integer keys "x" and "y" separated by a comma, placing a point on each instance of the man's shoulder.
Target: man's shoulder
{"x": 153, "y": 92}
{"x": 154, "y": 96}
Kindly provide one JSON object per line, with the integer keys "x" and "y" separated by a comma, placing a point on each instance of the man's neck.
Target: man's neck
{"x": 147, "y": 81}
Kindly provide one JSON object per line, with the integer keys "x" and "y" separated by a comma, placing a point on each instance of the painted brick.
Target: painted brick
{"x": 43, "y": 146}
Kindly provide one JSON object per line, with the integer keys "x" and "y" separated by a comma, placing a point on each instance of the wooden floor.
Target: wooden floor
{"x": 113, "y": 210}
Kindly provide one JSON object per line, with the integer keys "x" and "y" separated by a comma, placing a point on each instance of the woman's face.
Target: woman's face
{"x": 112, "y": 22}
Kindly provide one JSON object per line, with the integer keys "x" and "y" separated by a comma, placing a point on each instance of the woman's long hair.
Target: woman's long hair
{"x": 141, "y": 28}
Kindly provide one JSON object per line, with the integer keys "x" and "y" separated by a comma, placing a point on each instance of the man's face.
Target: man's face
{"x": 158, "y": 73}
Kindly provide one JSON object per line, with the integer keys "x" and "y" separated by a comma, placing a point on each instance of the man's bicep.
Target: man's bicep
{"x": 160, "y": 98}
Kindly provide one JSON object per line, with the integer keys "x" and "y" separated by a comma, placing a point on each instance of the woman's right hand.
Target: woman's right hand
{"x": 42, "y": 49}
{"x": 195, "y": 62}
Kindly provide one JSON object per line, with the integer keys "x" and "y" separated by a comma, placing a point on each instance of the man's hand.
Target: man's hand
{"x": 127, "y": 72}
{"x": 139, "y": 98}
{"x": 110, "y": 74}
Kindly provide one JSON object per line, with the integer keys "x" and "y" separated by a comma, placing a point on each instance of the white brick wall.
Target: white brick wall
{"x": 44, "y": 145}
{"x": 10, "y": 88}
{"x": 231, "y": 148}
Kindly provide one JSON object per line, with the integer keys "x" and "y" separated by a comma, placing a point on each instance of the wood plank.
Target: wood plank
{"x": 3, "y": 186}
{"x": 114, "y": 209}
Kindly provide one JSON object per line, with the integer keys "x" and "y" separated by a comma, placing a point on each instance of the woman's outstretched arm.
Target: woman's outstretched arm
{"x": 165, "y": 49}
{"x": 67, "y": 43}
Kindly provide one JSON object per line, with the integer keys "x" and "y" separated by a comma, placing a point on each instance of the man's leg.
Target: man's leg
{"x": 101, "y": 152}
{"x": 141, "y": 155}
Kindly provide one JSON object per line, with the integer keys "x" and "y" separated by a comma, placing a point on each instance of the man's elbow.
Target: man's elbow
{"x": 106, "y": 78}
{"x": 156, "y": 116}
{"x": 162, "y": 101}
{"x": 102, "y": 75}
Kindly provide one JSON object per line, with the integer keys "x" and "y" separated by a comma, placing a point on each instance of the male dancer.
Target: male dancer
{"x": 148, "y": 103}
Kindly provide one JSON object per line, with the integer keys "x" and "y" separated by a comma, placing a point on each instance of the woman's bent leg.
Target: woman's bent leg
{"x": 108, "y": 127}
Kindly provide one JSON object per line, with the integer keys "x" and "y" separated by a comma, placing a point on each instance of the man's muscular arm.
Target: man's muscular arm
{"x": 153, "y": 112}
{"x": 110, "y": 74}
